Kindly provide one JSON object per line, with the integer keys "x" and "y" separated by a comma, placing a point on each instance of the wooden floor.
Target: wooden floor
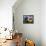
{"x": 9, "y": 43}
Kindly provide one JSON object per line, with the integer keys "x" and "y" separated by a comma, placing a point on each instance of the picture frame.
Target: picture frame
{"x": 28, "y": 19}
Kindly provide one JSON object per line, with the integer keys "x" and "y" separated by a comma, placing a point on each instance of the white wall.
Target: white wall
{"x": 6, "y": 13}
{"x": 31, "y": 31}
{"x": 43, "y": 22}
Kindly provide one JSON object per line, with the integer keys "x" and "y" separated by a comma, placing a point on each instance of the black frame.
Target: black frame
{"x": 28, "y": 19}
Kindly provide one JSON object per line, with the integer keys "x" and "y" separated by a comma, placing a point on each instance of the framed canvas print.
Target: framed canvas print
{"x": 28, "y": 19}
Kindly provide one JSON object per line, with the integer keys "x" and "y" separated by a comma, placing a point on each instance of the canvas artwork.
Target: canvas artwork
{"x": 28, "y": 19}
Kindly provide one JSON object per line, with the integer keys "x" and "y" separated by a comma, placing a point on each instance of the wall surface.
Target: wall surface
{"x": 6, "y": 13}
{"x": 43, "y": 22}
{"x": 30, "y": 31}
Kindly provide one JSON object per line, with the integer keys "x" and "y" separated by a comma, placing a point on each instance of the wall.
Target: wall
{"x": 30, "y": 31}
{"x": 43, "y": 22}
{"x": 6, "y": 13}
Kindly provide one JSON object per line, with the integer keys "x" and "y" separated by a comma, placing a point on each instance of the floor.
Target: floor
{"x": 9, "y": 43}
